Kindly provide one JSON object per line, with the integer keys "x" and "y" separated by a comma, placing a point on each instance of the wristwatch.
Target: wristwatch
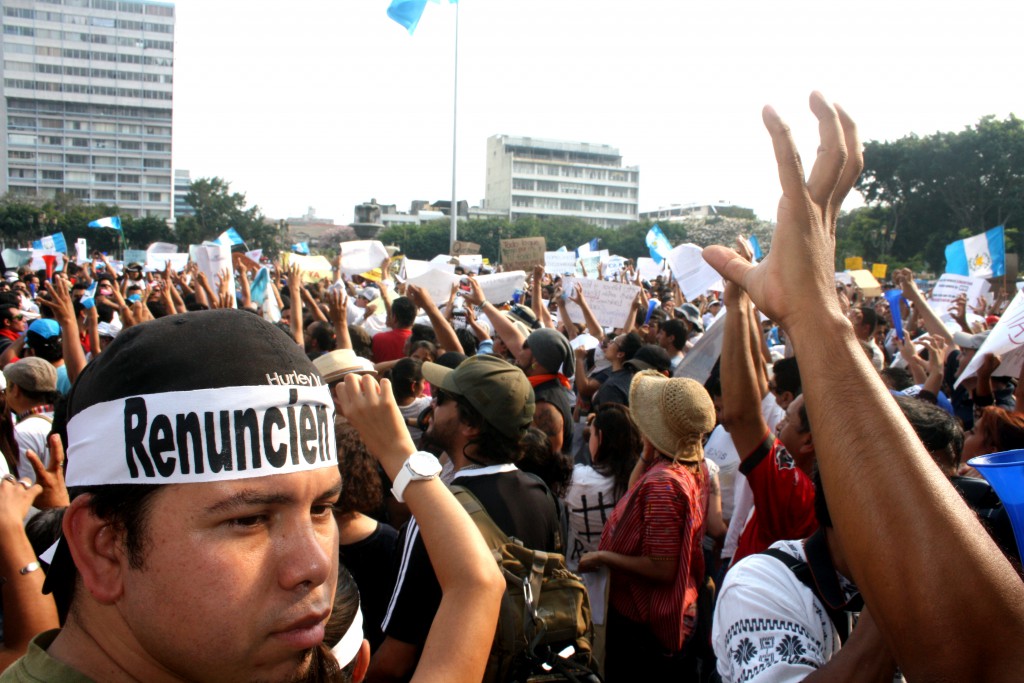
{"x": 418, "y": 467}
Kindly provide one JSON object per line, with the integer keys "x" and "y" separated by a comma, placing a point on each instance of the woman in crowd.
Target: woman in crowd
{"x": 407, "y": 384}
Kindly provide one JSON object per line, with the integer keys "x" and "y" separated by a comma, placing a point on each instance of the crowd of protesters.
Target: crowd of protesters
{"x": 260, "y": 491}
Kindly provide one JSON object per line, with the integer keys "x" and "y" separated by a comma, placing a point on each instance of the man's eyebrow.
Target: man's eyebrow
{"x": 250, "y": 497}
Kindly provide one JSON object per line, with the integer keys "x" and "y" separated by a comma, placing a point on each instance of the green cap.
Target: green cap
{"x": 498, "y": 390}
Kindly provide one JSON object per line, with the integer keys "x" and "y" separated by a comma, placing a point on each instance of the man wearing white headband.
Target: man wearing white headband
{"x": 200, "y": 543}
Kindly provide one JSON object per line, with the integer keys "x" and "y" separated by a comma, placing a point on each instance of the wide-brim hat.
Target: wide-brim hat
{"x": 336, "y": 364}
{"x": 674, "y": 414}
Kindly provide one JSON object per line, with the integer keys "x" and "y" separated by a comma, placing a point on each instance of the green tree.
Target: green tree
{"x": 217, "y": 209}
{"x": 935, "y": 189}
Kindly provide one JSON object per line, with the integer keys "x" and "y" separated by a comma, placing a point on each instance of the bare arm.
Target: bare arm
{"x": 460, "y": 637}
{"x": 337, "y": 304}
{"x": 897, "y": 517}
{"x": 904, "y": 277}
{"x": 741, "y": 392}
{"x": 446, "y": 337}
{"x": 589, "y": 319}
{"x": 295, "y": 296}
{"x": 64, "y": 312}
{"x": 503, "y": 327}
{"x": 537, "y": 298}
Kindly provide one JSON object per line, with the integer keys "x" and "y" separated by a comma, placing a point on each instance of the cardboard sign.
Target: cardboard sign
{"x": 523, "y": 253}
{"x": 314, "y": 268}
{"x": 611, "y": 302}
{"x": 560, "y": 262}
{"x": 867, "y": 283}
{"x": 855, "y": 263}
{"x": 950, "y": 286}
{"x": 499, "y": 287}
{"x": 460, "y": 248}
{"x": 692, "y": 272}
{"x": 361, "y": 256}
{"x": 879, "y": 270}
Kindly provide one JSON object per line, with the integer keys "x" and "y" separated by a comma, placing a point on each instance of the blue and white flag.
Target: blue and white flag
{"x": 981, "y": 255}
{"x": 301, "y": 248}
{"x": 587, "y": 248}
{"x": 54, "y": 242}
{"x": 658, "y": 244}
{"x": 258, "y": 288}
{"x": 108, "y": 222}
{"x": 229, "y": 237}
{"x": 88, "y": 299}
{"x": 408, "y": 12}
{"x": 756, "y": 246}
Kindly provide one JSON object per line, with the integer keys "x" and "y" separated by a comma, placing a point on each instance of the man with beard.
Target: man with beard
{"x": 481, "y": 412}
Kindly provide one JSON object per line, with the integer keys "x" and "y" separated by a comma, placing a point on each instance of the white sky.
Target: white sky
{"x": 327, "y": 103}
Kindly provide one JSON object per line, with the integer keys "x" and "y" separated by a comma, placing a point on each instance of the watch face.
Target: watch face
{"x": 424, "y": 464}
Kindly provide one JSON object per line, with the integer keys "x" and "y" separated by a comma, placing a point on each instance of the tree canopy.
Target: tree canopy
{"x": 217, "y": 209}
{"x": 924, "y": 192}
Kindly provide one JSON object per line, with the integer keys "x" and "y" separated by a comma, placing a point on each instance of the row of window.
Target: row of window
{"x": 86, "y": 20}
{"x": 611, "y": 175}
{"x": 30, "y": 123}
{"x": 573, "y": 205}
{"x": 94, "y": 38}
{"x": 86, "y": 72}
{"x": 89, "y": 55}
{"x": 115, "y": 6}
{"x": 125, "y": 195}
{"x": 87, "y": 89}
{"x": 66, "y": 108}
{"x": 129, "y": 145}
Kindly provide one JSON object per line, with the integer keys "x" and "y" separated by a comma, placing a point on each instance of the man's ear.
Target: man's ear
{"x": 96, "y": 547}
{"x": 806, "y": 442}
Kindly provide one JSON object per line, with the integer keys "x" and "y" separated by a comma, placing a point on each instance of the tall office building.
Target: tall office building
{"x": 87, "y": 92}
{"x": 531, "y": 177}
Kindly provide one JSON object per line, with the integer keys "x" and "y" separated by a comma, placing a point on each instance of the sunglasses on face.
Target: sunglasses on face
{"x": 441, "y": 396}
{"x": 17, "y": 317}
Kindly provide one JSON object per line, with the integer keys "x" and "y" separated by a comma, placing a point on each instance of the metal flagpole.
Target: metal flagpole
{"x": 454, "y": 231}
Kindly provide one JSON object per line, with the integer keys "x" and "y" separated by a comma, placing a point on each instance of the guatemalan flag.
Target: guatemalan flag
{"x": 658, "y": 244}
{"x": 408, "y": 12}
{"x": 229, "y": 237}
{"x": 108, "y": 222}
{"x": 301, "y": 248}
{"x": 54, "y": 242}
{"x": 981, "y": 256}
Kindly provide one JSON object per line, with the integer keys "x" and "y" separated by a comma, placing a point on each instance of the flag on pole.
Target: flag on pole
{"x": 756, "y": 246}
{"x": 301, "y": 248}
{"x": 54, "y": 242}
{"x": 981, "y": 255}
{"x": 658, "y": 244}
{"x": 108, "y": 222}
{"x": 585, "y": 249}
{"x": 229, "y": 237}
{"x": 408, "y": 12}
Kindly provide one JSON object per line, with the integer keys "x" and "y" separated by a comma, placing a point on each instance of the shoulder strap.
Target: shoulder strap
{"x": 802, "y": 571}
{"x": 492, "y": 533}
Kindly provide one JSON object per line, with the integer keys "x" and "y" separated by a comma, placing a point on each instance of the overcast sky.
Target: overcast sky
{"x": 327, "y": 103}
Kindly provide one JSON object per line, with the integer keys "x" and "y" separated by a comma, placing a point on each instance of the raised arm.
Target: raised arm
{"x": 741, "y": 391}
{"x": 64, "y": 313}
{"x": 589, "y": 319}
{"x": 446, "y": 337}
{"x": 896, "y": 517}
{"x": 503, "y": 327}
{"x": 337, "y": 305}
{"x": 904, "y": 278}
{"x": 295, "y": 297}
{"x": 460, "y": 636}
{"x": 537, "y": 298}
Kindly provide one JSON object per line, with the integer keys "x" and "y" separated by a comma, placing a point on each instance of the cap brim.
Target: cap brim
{"x": 439, "y": 376}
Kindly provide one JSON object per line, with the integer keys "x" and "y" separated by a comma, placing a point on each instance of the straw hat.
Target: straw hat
{"x": 335, "y": 365}
{"x": 673, "y": 414}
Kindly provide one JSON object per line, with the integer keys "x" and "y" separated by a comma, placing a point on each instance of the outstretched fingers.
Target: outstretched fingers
{"x": 832, "y": 155}
{"x": 854, "y": 163}
{"x": 791, "y": 170}
{"x": 728, "y": 263}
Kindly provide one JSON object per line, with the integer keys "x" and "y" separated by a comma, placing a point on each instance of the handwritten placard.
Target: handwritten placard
{"x": 523, "y": 253}
{"x": 950, "y": 286}
{"x": 611, "y": 302}
{"x": 560, "y": 262}
{"x": 460, "y": 248}
{"x": 499, "y": 287}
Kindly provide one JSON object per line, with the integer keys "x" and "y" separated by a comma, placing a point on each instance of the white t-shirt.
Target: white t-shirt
{"x": 412, "y": 411}
{"x": 768, "y": 626}
{"x": 31, "y": 433}
{"x": 589, "y": 502}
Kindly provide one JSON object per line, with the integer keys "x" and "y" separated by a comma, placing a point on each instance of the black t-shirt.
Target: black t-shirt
{"x": 518, "y": 502}
{"x": 371, "y": 563}
{"x": 615, "y": 389}
{"x": 561, "y": 398}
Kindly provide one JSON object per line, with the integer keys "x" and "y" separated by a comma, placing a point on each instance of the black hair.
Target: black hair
{"x": 941, "y": 434}
{"x": 630, "y": 345}
{"x": 361, "y": 341}
{"x": 787, "y": 376}
{"x": 620, "y": 444}
{"x": 554, "y": 469}
{"x": 468, "y": 341}
{"x": 869, "y": 317}
{"x": 421, "y": 332}
{"x": 404, "y": 375}
{"x": 898, "y": 378}
{"x": 48, "y": 348}
{"x": 492, "y": 447}
{"x": 404, "y": 312}
{"x": 323, "y": 334}
{"x": 346, "y": 604}
{"x": 677, "y": 330}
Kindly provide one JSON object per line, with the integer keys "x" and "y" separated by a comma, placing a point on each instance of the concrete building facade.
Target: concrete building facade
{"x": 87, "y": 102}
{"x": 533, "y": 177}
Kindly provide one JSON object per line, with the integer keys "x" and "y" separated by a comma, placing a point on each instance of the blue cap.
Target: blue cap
{"x": 46, "y": 328}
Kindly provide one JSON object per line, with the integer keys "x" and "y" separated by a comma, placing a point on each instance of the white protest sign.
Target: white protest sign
{"x": 950, "y": 286}
{"x": 255, "y": 254}
{"x": 162, "y": 248}
{"x": 81, "y": 250}
{"x": 213, "y": 260}
{"x": 649, "y": 268}
{"x": 611, "y": 302}
{"x": 38, "y": 263}
{"x": 589, "y": 264}
{"x": 158, "y": 262}
{"x": 585, "y": 341}
{"x": 361, "y": 256}
{"x": 436, "y": 283}
{"x": 1006, "y": 336}
{"x": 499, "y": 287}
{"x": 471, "y": 262}
{"x": 443, "y": 262}
{"x": 614, "y": 265}
{"x": 692, "y": 272}
{"x": 844, "y": 278}
{"x": 560, "y": 262}
{"x": 413, "y": 268}
{"x": 700, "y": 360}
